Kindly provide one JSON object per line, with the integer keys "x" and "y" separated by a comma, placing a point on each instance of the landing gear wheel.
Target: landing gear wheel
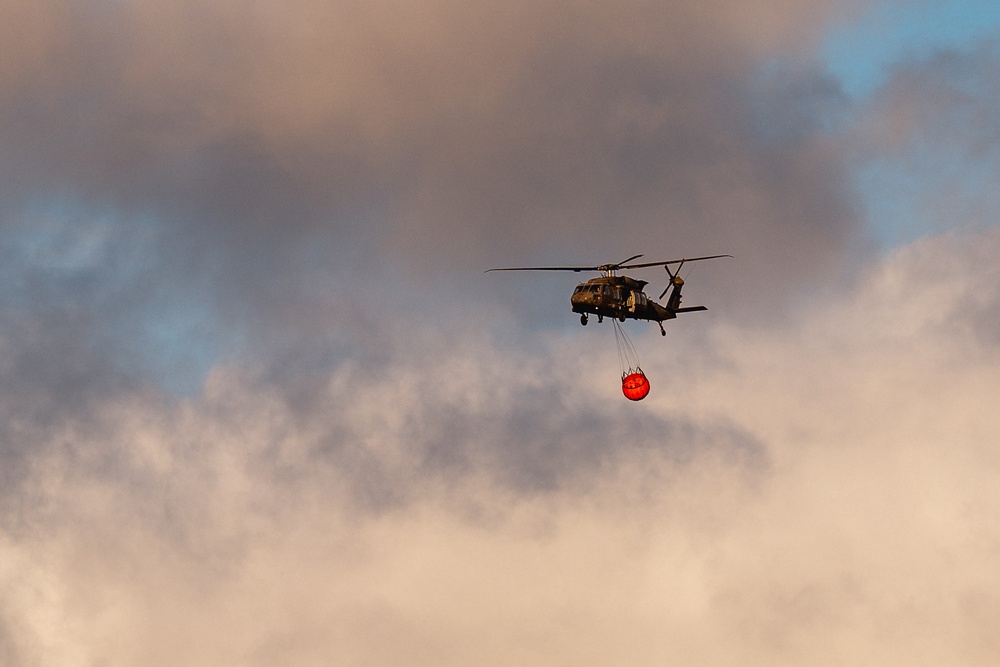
{"x": 621, "y": 318}
{"x": 600, "y": 318}
{"x": 583, "y": 319}
{"x": 663, "y": 331}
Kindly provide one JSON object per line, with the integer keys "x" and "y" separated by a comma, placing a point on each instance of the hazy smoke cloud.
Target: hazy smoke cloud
{"x": 784, "y": 501}
{"x": 260, "y": 405}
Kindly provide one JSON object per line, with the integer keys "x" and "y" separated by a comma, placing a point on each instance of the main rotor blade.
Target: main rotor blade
{"x": 602, "y": 267}
{"x": 548, "y": 268}
{"x": 605, "y": 267}
{"x": 672, "y": 261}
{"x": 626, "y": 261}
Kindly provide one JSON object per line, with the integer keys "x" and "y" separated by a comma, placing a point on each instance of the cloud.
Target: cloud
{"x": 281, "y": 187}
{"x": 260, "y": 405}
{"x": 440, "y": 138}
{"x": 819, "y": 494}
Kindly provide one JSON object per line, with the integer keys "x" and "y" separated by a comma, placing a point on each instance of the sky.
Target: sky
{"x": 261, "y": 404}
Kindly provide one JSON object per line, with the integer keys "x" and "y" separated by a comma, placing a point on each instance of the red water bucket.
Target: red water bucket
{"x": 635, "y": 386}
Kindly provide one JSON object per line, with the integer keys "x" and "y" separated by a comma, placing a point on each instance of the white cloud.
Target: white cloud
{"x": 239, "y": 528}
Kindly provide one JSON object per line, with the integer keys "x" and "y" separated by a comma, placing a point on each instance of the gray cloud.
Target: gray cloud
{"x": 260, "y": 405}
{"x": 439, "y": 136}
{"x": 282, "y": 189}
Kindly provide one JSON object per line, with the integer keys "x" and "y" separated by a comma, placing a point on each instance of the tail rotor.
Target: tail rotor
{"x": 675, "y": 278}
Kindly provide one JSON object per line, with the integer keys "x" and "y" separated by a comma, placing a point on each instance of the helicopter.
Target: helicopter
{"x": 622, "y": 297}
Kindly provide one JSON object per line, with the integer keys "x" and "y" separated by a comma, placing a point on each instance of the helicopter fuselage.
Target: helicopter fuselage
{"x": 618, "y": 296}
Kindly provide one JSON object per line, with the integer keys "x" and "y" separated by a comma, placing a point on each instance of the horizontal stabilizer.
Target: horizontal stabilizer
{"x": 691, "y": 309}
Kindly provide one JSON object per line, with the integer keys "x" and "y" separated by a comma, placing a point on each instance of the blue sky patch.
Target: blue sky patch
{"x": 860, "y": 53}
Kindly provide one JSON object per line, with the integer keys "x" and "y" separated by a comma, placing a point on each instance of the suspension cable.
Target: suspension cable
{"x": 628, "y": 358}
